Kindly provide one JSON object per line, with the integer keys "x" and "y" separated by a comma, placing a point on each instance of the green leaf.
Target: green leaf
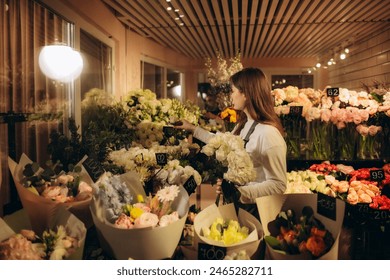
{"x": 35, "y": 167}
{"x": 273, "y": 242}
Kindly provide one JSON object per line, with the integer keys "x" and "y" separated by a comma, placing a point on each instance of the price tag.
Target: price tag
{"x": 296, "y": 110}
{"x": 370, "y": 214}
{"x": 190, "y": 185}
{"x": 332, "y": 92}
{"x": 161, "y": 158}
{"x": 381, "y": 215}
{"x": 94, "y": 168}
{"x": 377, "y": 175}
{"x": 168, "y": 131}
{"x": 326, "y": 206}
{"x": 210, "y": 252}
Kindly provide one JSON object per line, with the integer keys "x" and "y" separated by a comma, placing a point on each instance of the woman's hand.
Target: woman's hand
{"x": 183, "y": 124}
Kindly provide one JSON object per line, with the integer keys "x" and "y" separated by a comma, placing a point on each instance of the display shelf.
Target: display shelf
{"x": 303, "y": 164}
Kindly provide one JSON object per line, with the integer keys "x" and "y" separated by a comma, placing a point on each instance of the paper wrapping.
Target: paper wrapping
{"x": 74, "y": 228}
{"x": 207, "y": 216}
{"x": 42, "y": 211}
{"x": 141, "y": 243}
{"x": 270, "y": 206}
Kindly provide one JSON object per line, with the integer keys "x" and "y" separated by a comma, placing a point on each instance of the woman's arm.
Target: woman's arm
{"x": 198, "y": 132}
{"x": 275, "y": 172}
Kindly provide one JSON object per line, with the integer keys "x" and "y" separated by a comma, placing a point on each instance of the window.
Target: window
{"x": 300, "y": 81}
{"x": 173, "y": 84}
{"x": 97, "y": 72}
{"x": 26, "y": 26}
{"x": 165, "y": 82}
{"x": 152, "y": 78}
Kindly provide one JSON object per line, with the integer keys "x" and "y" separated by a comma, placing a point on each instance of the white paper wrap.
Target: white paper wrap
{"x": 140, "y": 243}
{"x": 208, "y": 215}
{"x": 270, "y": 206}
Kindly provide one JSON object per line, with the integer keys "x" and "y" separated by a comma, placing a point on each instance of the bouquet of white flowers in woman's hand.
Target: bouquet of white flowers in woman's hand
{"x": 229, "y": 151}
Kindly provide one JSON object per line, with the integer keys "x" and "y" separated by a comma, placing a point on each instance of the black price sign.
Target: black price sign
{"x": 94, "y": 168}
{"x": 296, "y": 110}
{"x": 332, "y": 92}
{"x": 368, "y": 213}
{"x": 377, "y": 175}
{"x": 326, "y": 206}
{"x": 190, "y": 185}
{"x": 161, "y": 158}
{"x": 168, "y": 131}
{"x": 210, "y": 252}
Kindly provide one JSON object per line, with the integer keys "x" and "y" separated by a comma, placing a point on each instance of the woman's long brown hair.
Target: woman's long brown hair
{"x": 259, "y": 101}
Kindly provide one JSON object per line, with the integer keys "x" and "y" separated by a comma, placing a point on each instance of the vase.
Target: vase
{"x": 295, "y": 128}
{"x": 347, "y": 142}
{"x": 320, "y": 140}
{"x": 369, "y": 147}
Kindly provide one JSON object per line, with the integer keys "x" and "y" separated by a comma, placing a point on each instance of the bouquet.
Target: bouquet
{"x": 133, "y": 225}
{"x": 64, "y": 238}
{"x": 61, "y": 186}
{"x": 227, "y": 231}
{"x": 312, "y": 235}
{"x": 229, "y": 151}
{"x": 43, "y": 191}
{"x": 150, "y": 212}
{"x": 222, "y": 226}
{"x": 26, "y": 245}
{"x": 300, "y": 235}
{"x": 230, "y": 162}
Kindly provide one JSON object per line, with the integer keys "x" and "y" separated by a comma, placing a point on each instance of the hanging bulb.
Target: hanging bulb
{"x": 343, "y": 56}
{"x": 60, "y": 63}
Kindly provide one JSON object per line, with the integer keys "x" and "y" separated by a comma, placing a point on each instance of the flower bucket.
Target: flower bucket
{"x": 140, "y": 243}
{"x": 270, "y": 206}
{"x": 17, "y": 221}
{"x": 42, "y": 211}
{"x": 207, "y": 216}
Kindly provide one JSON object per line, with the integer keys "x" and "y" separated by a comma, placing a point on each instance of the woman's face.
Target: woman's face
{"x": 238, "y": 99}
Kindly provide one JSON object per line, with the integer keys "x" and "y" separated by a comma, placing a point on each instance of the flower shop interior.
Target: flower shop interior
{"x": 94, "y": 88}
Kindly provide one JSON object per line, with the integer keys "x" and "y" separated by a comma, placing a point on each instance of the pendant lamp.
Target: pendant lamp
{"x": 60, "y": 63}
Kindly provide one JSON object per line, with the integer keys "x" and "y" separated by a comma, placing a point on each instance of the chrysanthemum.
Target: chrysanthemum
{"x": 168, "y": 193}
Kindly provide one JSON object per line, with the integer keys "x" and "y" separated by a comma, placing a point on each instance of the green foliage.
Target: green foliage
{"x": 104, "y": 128}
{"x": 66, "y": 150}
{"x": 34, "y": 176}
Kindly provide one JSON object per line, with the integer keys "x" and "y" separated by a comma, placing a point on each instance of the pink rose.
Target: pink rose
{"x": 362, "y": 129}
{"x": 346, "y": 169}
{"x": 325, "y": 115}
{"x": 168, "y": 219}
{"x": 373, "y": 129}
{"x": 84, "y": 187}
{"x": 124, "y": 222}
{"x": 352, "y": 197}
{"x": 146, "y": 220}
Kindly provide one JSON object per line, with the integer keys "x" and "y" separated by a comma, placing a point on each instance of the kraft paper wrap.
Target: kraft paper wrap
{"x": 143, "y": 243}
{"x": 74, "y": 227}
{"x": 42, "y": 211}
{"x": 270, "y": 206}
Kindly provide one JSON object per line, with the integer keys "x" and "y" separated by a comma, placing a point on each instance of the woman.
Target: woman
{"x": 262, "y": 131}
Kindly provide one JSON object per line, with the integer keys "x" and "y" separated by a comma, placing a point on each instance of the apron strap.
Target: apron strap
{"x": 251, "y": 129}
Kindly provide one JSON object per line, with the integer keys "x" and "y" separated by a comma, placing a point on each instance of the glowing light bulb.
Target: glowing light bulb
{"x": 60, "y": 63}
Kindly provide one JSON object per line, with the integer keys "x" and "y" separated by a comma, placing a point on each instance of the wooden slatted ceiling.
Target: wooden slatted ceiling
{"x": 256, "y": 29}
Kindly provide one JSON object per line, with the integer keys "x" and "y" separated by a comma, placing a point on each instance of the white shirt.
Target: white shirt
{"x": 267, "y": 149}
